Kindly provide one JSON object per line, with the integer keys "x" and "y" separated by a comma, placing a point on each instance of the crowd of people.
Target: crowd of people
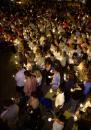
{"x": 53, "y": 51}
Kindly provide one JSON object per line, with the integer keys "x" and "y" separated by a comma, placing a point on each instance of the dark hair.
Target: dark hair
{"x": 60, "y": 116}
{"x": 34, "y": 94}
{"x": 8, "y": 102}
{"x": 27, "y": 73}
{"x": 48, "y": 61}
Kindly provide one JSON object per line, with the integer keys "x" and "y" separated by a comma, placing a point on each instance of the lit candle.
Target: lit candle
{"x": 72, "y": 90}
{"x": 65, "y": 78}
{"x": 51, "y": 91}
{"x": 81, "y": 80}
{"x": 49, "y": 77}
{"x": 81, "y": 105}
{"x": 49, "y": 119}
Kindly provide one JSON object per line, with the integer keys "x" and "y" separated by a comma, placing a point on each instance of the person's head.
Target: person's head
{"x": 19, "y": 67}
{"x": 48, "y": 63}
{"x": 8, "y": 102}
{"x": 56, "y": 69}
{"x": 27, "y": 74}
{"x": 34, "y": 101}
{"x": 34, "y": 95}
{"x": 71, "y": 76}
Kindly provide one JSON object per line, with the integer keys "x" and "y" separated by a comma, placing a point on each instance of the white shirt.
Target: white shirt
{"x": 60, "y": 99}
{"x": 20, "y": 78}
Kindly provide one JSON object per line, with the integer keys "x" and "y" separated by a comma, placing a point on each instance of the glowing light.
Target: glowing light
{"x": 36, "y": 63}
{"x": 15, "y": 56}
{"x": 75, "y": 38}
{"x": 51, "y": 71}
{"x": 83, "y": 18}
{"x": 12, "y": 99}
{"x": 75, "y": 118}
{"x": 13, "y": 76}
{"x": 12, "y": 0}
{"x": 72, "y": 90}
{"x": 81, "y": 105}
{"x": 53, "y": 30}
{"x": 65, "y": 77}
{"x": 50, "y": 119}
{"x": 16, "y": 62}
{"x": 19, "y": 2}
{"x": 27, "y": 104}
{"x": 31, "y": 112}
{"x": 51, "y": 91}
{"x": 49, "y": 76}
{"x": 81, "y": 80}
{"x": 87, "y": 35}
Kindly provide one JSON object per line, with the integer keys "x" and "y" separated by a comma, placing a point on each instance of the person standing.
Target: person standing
{"x": 11, "y": 113}
{"x": 20, "y": 78}
{"x": 56, "y": 81}
{"x": 30, "y": 84}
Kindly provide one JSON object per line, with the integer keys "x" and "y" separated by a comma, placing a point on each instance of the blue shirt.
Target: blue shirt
{"x": 87, "y": 88}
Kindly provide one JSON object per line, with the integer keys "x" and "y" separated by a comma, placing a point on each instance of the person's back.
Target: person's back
{"x": 34, "y": 83}
{"x": 10, "y": 115}
{"x": 30, "y": 83}
{"x": 32, "y": 119}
